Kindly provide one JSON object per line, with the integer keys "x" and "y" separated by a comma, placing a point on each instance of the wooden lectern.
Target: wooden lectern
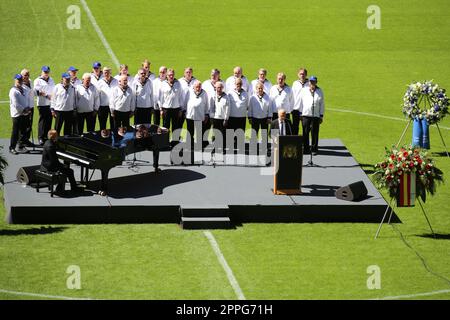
{"x": 288, "y": 160}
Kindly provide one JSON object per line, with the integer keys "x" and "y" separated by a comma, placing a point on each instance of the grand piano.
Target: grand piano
{"x": 94, "y": 151}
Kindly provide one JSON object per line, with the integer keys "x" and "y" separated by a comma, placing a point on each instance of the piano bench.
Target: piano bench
{"x": 51, "y": 178}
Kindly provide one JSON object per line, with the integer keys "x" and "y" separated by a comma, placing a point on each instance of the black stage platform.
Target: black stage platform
{"x": 138, "y": 195}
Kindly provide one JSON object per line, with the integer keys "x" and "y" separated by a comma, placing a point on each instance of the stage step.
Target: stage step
{"x": 205, "y": 218}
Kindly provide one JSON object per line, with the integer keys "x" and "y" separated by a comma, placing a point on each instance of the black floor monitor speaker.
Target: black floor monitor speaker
{"x": 26, "y": 174}
{"x": 353, "y": 192}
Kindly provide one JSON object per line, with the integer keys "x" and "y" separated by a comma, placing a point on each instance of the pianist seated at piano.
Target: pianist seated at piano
{"x": 50, "y": 162}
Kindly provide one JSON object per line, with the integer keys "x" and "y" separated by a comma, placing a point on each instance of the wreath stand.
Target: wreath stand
{"x": 392, "y": 211}
{"x": 437, "y": 126}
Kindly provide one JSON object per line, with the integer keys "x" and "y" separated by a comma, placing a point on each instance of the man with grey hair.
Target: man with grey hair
{"x": 162, "y": 75}
{"x": 123, "y": 70}
{"x": 29, "y": 92}
{"x": 87, "y": 104}
{"x": 231, "y": 81}
{"x": 281, "y": 95}
{"x": 262, "y": 77}
{"x": 143, "y": 90}
{"x": 122, "y": 103}
{"x": 301, "y": 84}
{"x": 186, "y": 84}
{"x": 197, "y": 115}
{"x": 171, "y": 101}
{"x": 219, "y": 111}
{"x": 210, "y": 85}
{"x": 239, "y": 100}
{"x": 105, "y": 86}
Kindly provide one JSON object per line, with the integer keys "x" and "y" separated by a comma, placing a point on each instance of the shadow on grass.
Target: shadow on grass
{"x": 32, "y": 231}
{"x": 439, "y": 154}
{"x": 438, "y": 236}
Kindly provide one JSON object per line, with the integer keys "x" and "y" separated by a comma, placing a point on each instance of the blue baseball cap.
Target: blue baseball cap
{"x": 313, "y": 78}
{"x": 45, "y": 69}
{"x": 65, "y": 75}
{"x": 71, "y": 68}
{"x": 96, "y": 65}
{"x": 18, "y": 77}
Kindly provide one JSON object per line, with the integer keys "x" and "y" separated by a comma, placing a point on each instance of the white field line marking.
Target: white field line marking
{"x": 376, "y": 116}
{"x": 225, "y": 266}
{"x": 406, "y": 296}
{"x": 46, "y": 296}
{"x": 100, "y": 33}
{"x": 208, "y": 234}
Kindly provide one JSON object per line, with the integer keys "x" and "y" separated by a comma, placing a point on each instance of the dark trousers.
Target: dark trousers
{"x": 143, "y": 115}
{"x": 18, "y": 132}
{"x": 196, "y": 131}
{"x": 258, "y": 124}
{"x": 103, "y": 114}
{"x": 65, "y": 118}
{"x": 217, "y": 124}
{"x": 156, "y": 117}
{"x": 295, "y": 121}
{"x": 236, "y": 123}
{"x": 121, "y": 119}
{"x": 29, "y": 125}
{"x": 70, "y": 175}
{"x": 88, "y": 118}
{"x": 171, "y": 117}
{"x": 45, "y": 122}
{"x": 310, "y": 125}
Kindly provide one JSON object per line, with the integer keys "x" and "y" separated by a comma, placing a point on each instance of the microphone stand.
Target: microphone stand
{"x": 34, "y": 151}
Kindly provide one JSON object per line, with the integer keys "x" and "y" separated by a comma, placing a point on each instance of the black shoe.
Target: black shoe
{"x": 22, "y": 149}
{"x": 13, "y": 151}
{"x": 307, "y": 151}
{"x": 157, "y": 170}
{"x": 76, "y": 189}
{"x": 28, "y": 144}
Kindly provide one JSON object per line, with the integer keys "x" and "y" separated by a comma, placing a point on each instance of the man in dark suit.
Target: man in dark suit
{"x": 281, "y": 126}
{"x": 51, "y": 163}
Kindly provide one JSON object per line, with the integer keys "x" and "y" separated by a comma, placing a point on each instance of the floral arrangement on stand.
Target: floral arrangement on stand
{"x": 434, "y": 100}
{"x": 407, "y": 160}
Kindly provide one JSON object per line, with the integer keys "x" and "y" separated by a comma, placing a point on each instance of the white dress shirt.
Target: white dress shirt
{"x": 41, "y": 85}
{"x": 238, "y": 103}
{"x": 260, "y": 107}
{"x": 95, "y": 80}
{"x": 87, "y": 99}
{"x": 18, "y": 102}
{"x": 282, "y": 98}
{"x": 312, "y": 104}
{"x": 105, "y": 90}
{"x": 63, "y": 99}
{"x": 29, "y": 92}
{"x": 209, "y": 87}
{"x": 130, "y": 79}
{"x": 144, "y": 93}
{"x": 122, "y": 100}
{"x": 171, "y": 96}
{"x": 219, "y": 107}
{"x": 267, "y": 86}
{"x": 230, "y": 84}
{"x": 156, "y": 86}
{"x": 197, "y": 105}
{"x": 297, "y": 87}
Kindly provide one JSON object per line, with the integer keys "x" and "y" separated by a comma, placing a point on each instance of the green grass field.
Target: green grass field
{"x": 360, "y": 70}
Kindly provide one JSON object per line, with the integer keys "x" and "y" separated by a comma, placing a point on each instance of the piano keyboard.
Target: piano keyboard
{"x": 75, "y": 159}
